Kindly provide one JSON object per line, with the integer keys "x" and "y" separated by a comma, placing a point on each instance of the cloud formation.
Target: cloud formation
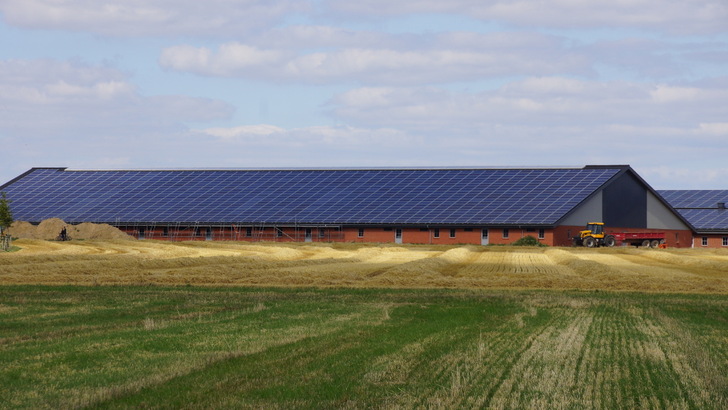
{"x": 675, "y": 16}
{"x": 57, "y": 98}
{"x": 135, "y": 18}
{"x": 443, "y": 58}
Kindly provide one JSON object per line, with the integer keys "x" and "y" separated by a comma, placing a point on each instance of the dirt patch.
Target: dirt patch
{"x": 49, "y": 229}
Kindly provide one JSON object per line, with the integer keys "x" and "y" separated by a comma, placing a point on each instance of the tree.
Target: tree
{"x": 6, "y": 219}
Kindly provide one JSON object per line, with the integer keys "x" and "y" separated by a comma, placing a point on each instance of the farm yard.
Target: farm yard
{"x": 117, "y": 323}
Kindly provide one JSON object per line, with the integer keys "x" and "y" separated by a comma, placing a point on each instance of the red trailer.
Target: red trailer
{"x": 644, "y": 239}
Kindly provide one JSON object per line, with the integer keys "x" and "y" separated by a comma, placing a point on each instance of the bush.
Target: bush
{"x": 527, "y": 240}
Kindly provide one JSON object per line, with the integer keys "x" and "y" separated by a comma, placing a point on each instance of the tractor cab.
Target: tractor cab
{"x": 594, "y": 229}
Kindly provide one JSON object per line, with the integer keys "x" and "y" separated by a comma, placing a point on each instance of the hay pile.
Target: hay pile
{"x": 49, "y": 229}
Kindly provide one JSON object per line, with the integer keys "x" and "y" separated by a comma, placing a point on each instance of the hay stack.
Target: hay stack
{"x": 49, "y": 229}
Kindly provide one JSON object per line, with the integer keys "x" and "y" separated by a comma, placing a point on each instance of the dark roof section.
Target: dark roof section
{"x": 492, "y": 196}
{"x": 704, "y": 209}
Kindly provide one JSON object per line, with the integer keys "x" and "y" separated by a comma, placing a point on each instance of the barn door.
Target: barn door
{"x": 398, "y": 235}
{"x": 484, "y": 237}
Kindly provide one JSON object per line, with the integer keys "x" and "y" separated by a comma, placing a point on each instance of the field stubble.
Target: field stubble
{"x": 122, "y": 262}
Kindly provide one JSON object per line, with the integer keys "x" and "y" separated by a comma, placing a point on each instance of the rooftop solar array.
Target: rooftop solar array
{"x": 700, "y": 207}
{"x": 695, "y": 198}
{"x": 374, "y": 196}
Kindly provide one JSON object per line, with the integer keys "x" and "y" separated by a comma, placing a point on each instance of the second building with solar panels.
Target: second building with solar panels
{"x": 401, "y": 205}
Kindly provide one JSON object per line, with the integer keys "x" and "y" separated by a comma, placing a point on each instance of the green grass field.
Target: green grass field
{"x": 63, "y": 347}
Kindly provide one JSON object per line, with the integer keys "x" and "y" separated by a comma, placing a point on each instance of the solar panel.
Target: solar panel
{"x": 700, "y": 207}
{"x": 706, "y": 219}
{"x": 695, "y": 198}
{"x": 375, "y": 196}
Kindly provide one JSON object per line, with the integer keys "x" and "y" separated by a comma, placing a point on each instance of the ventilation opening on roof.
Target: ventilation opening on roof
{"x": 721, "y": 205}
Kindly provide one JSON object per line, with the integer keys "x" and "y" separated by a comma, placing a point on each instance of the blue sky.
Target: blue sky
{"x": 295, "y": 83}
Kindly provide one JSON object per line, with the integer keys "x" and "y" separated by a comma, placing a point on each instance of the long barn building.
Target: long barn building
{"x": 428, "y": 206}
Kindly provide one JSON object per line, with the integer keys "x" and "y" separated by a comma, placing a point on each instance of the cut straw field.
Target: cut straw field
{"x": 123, "y": 262}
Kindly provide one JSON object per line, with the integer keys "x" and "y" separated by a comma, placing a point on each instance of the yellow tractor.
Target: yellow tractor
{"x": 594, "y": 236}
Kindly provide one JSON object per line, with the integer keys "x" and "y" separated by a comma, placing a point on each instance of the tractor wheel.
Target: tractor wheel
{"x": 609, "y": 241}
{"x": 646, "y": 243}
{"x": 589, "y": 242}
{"x": 655, "y": 243}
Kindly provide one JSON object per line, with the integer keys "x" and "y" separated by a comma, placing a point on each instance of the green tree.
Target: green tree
{"x": 6, "y": 219}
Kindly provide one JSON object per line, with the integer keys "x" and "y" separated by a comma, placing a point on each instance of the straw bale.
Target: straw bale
{"x": 22, "y": 229}
{"x": 98, "y": 231}
{"x": 49, "y": 229}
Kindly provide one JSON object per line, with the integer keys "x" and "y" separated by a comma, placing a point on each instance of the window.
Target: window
{"x": 506, "y": 233}
{"x": 279, "y": 232}
{"x": 705, "y": 241}
{"x": 322, "y": 233}
{"x": 436, "y": 233}
{"x": 452, "y": 233}
{"x": 165, "y": 232}
{"x": 541, "y": 233}
{"x": 725, "y": 241}
{"x": 249, "y": 232}
{"x": 361, "y": 233}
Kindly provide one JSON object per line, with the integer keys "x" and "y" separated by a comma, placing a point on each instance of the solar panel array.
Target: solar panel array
{"x": 700, "y": 207}
{"x": 339, "y": 196}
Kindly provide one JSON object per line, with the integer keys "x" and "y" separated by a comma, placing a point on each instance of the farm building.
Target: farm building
{"x": 438, "y": 206}
{"x": 706, "y": 211}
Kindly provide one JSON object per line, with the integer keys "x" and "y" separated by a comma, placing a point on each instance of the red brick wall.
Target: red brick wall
{"x": 560, "y": 236}
{"x": 714, "y": 241}
{"x": 462, "y": 236}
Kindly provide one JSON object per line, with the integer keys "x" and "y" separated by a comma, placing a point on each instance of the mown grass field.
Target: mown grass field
{"x": 189, "y": 347}
{"x": 126, "y": 324}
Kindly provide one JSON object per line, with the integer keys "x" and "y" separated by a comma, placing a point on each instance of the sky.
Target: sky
{"x": 170, "y": 84}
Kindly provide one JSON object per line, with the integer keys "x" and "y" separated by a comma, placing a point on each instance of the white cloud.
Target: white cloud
{"x": 230, "y": 60}
{"x": 56, "y": 98}
{"x": 243, "y": 131}
{"x": 715, "y": 128}
{"x": 538, "y": 100}
{"x": 319, "y": 137}
{"x": 449, "y": 57}
{"x": 676, "y": 16}
{"x": 129, "y": 18}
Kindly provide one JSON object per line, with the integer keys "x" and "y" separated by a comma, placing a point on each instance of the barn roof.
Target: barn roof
{"x": 466, "y": 196}
{"x": 702, "y": 208}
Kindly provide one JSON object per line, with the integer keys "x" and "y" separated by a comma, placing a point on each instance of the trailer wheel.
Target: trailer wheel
{"x": 609, "y": 241}
{"x": 589, "y": 242}
{"x": 646, "y": 243}
{"x": 655, "y": 243}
